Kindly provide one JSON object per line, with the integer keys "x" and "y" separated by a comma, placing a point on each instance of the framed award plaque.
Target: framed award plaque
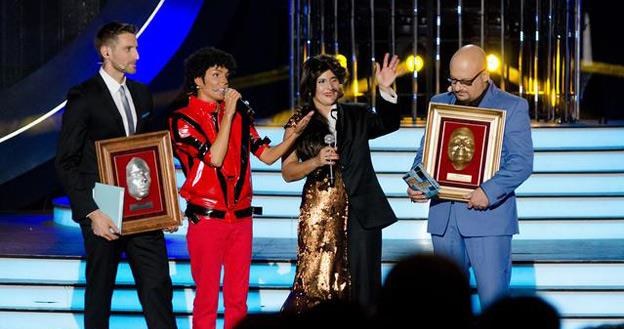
{"x": 143, "y": 166}
{"x": 462, "y": 147}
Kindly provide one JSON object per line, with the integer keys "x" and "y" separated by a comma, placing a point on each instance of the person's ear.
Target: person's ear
{"x": 199, "y": 82}
{"x": 485, "y": 75}
{"x": 105, "y": 51}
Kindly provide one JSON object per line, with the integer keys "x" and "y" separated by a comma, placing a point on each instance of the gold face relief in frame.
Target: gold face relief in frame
{"x": 461, "y": 148}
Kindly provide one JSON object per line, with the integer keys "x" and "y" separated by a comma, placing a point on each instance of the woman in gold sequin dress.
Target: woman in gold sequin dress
{"x": 324, "y": 262}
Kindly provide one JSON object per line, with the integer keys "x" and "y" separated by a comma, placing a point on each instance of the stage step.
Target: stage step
{"x": 576, "y": 303}
{"x": 67, "y": 320}
{"x": 605, "y": 275}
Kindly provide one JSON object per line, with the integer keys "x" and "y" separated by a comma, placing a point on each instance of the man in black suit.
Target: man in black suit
{"x": 106, "y": 106}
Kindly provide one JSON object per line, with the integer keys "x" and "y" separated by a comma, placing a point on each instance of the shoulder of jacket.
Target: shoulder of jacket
{"x": 442, "y": 98}
{"x": 514, "y": 98}
{"x": 509, "y": 99}
{"x": 136, "y": 84}
{"x": 187, "y": 113}
{"x": 85, "y": 88}
{"x": 180, "y": 112}
{"x": 355, "y": 107}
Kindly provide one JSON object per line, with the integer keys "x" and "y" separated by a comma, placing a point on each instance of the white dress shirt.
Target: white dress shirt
{"x": 114, "y": 87}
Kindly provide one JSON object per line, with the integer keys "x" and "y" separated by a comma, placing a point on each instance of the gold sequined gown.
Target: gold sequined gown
{"x": 322, "y": 267}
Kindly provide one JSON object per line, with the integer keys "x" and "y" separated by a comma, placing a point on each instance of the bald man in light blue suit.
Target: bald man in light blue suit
{"x": 478, "y": 232}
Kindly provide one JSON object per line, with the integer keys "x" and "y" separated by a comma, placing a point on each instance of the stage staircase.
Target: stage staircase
{"x": 570, "y": 250}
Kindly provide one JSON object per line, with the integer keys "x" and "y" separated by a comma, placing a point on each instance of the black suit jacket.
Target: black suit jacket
{"x": 355, "y": 125}
{"x": 91, "y": 115}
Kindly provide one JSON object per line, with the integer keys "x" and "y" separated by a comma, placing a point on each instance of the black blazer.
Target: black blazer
{"x": 91, "y": 115}
{"x": 355, "y": 125}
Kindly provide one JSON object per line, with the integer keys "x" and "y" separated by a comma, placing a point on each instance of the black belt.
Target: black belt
{"x": 192, "y": 211}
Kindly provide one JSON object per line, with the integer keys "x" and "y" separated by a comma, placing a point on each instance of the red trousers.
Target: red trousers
{"x": 213, "y": 244}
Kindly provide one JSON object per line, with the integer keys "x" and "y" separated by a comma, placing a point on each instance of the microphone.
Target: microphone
{"x": 241, "y": 105}
{"x": 330, "y": 140}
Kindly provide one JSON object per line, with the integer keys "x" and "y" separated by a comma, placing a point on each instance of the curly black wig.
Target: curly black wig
{"x": 200, "y": 61}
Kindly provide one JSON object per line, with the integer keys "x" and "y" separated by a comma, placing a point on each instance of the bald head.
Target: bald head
{"x": 469, "y": 57}
{"x": 468, "y": 73}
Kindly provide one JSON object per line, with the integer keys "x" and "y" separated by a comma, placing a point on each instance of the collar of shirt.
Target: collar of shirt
{"x": 112, "y": 84}
{"x": 331, "y": 119}
{"x": 209, "y": 107}
{"x": 113, "y": 88}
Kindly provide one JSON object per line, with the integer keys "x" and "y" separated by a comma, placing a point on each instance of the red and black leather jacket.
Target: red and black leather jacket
{"x": 216, "y": 192}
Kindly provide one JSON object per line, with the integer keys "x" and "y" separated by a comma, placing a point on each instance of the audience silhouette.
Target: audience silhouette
{"x": 427, "y": 291}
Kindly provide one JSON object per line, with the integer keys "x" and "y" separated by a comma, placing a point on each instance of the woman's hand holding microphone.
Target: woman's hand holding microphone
{"x": 327, "y": 156}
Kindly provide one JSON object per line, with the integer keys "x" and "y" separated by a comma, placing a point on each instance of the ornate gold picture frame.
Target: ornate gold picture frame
{"x": 462, "y": 147}
{"x": 143, "y": 166}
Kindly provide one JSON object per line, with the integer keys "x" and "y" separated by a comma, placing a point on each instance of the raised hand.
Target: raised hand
{"x": 386, "y": 74}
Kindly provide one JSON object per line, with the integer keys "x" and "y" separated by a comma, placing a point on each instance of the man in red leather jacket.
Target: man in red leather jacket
{"x": 213, "y": 141}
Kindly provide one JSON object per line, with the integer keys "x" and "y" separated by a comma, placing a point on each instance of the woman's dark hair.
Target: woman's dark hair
{"x": 109, "y": 32}
{"x": 312, "y": 69}
{"x": 312, "y": 139}
{"x": 200, "y": 61}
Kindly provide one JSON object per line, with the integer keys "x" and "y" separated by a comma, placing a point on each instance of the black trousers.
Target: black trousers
{"x": 147, "y": 256}
{"x": 364, "y": 255}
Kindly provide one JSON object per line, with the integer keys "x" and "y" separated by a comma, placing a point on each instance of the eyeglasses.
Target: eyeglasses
{"x": 466, "y": 83}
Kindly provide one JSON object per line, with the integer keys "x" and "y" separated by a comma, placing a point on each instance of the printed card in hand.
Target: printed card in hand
{"x": 419, "y": 180}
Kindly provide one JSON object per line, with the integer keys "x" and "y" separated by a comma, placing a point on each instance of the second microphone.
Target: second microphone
{"x": 330, "y": 140}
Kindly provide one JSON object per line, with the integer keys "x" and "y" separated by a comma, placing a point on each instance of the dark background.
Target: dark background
{"x": 33, "y": 32}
